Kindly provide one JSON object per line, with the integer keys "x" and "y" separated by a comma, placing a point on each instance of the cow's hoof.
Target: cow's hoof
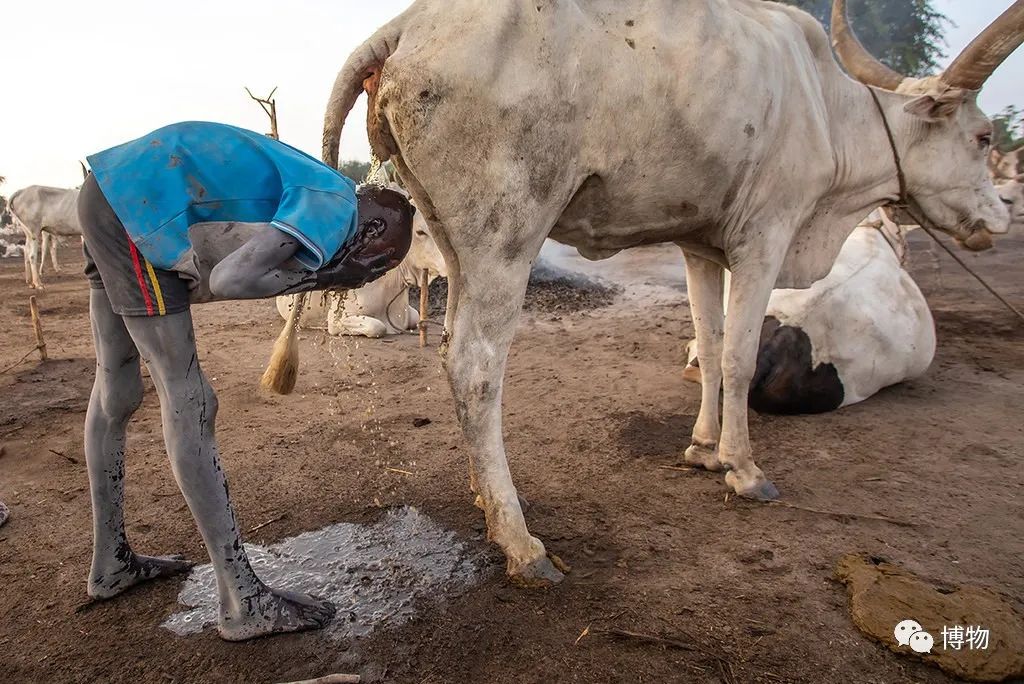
{"x": 703, "y": 456}
{"x": 755, "y": 487}
{"x": 138, "y": 569}
{"x": 543, "y": 571}
{"x": 274, "y": 611}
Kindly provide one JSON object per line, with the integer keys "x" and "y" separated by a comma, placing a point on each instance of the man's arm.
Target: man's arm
{"x": 257, "y": 269}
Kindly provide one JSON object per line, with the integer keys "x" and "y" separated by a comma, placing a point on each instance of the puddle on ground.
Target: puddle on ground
{"x": 374, "y": 574}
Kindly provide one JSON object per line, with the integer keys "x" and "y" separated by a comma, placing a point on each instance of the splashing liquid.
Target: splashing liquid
{"x": 374, "y": 574}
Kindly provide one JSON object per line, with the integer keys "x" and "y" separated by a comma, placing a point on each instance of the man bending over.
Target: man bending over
{"x": 282, "y": 223}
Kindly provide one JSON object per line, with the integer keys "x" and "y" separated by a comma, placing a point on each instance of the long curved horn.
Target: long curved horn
{"x": 976, "y": 63}
{"x": 854, "y": 57}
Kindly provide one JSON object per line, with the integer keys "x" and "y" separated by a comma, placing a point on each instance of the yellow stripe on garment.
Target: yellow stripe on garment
{"x": 156, "y": 287}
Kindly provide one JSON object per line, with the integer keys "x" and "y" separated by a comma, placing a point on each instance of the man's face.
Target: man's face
{"x": 385, "y": 223}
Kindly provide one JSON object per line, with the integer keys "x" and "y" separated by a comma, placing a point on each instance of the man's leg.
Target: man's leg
{"x": 248, "y": 608}
{"x": 116, "y": 393}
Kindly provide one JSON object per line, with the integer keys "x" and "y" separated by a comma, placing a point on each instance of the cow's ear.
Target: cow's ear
{"x": 935, "y": 107}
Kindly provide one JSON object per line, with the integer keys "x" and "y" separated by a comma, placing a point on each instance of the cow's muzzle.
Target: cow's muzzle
{"x": 976, "y": 238}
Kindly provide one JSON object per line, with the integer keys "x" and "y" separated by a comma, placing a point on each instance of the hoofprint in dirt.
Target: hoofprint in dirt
{"x": 596, "y": 417}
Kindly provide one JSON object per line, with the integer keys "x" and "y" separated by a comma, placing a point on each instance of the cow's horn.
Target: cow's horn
{"x": 854, "y": 57}
{"x": 986, "y": 52}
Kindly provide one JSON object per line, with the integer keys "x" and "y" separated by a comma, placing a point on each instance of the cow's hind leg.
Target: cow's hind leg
{"x": 32, "y": 254}
{"x": 46, "y": 240}
{"x": 704, "y": 287}
{"x": 53, "y": 244}
{"x": 491, "y": 291}
{"x": 116, "y": 393}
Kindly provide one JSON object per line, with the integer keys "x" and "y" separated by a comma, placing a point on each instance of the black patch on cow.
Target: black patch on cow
{"x": 784, "y": 382}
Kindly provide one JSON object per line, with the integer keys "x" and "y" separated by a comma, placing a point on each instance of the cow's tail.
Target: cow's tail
{"x": 365, "y": 63}
{"x": 15, "y": 220}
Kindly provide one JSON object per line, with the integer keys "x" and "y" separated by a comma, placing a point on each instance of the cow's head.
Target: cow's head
{"x": 946, "y": 162}
{"x": 1006, "y": 165}
{"x": 1012, "y": 194}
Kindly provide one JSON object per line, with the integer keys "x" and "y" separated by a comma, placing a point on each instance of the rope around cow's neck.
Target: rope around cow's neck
{"x": 904, "y": 204}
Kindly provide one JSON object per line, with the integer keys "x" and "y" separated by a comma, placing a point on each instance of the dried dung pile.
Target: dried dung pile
{"x": 883, "y": 595}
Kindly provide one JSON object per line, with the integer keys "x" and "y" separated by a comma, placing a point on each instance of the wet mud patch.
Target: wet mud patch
{"x": 550, "y": 290}
{"x": 654, "y": 437}
{"x": 373, "y": 574}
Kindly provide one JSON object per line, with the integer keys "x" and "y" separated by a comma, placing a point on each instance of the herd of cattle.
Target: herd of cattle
{"x": 554, "y": 133}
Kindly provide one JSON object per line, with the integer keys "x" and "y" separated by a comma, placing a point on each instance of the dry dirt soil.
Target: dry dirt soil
{"x": 596, "y": 416}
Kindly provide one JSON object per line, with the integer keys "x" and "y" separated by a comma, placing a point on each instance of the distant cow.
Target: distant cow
{"x": 1012, "y": 194}
{"x": 382, "y": 307}
{"x": 1006, "y": 165}
{"x": 863, "y": 327}
{"x": 38, "y": 210}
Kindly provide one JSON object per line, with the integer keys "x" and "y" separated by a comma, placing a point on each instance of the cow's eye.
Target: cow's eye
{"x": 985, "y": 141}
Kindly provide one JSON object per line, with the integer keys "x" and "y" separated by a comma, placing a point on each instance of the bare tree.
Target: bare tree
{"x": 269, "y": 105}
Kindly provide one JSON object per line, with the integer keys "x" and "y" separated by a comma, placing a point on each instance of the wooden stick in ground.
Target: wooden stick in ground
{"x": 424, "y": 294}
{"x": 330, "y": 679}
{"x": 38, "y": 327}
{"x": 841, "y": 514}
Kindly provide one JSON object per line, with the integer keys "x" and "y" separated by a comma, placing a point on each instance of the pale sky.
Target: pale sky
{"x": 78, "y": 77}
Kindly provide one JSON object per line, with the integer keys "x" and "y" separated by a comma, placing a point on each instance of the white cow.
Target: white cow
{"x": 514, "y": 121}
{"x": 382, "y": 307}
{"x": 41, "y": 210}
{"x": 1012, "y": 194}
{"x": 862, "y": 327}
{"x": 1006, "y": 165}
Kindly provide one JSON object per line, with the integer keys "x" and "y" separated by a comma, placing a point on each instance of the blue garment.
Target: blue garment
{"x": 197, "y": 172}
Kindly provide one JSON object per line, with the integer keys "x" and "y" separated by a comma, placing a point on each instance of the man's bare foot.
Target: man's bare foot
{"x": 273, "y": 611}
{"x": 132, "y": 569}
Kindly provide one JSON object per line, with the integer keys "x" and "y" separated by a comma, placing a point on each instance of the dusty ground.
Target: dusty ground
{"x": 594, "y": 409}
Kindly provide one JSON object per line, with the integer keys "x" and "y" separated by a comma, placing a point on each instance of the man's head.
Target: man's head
{"x": 385, "y": 225}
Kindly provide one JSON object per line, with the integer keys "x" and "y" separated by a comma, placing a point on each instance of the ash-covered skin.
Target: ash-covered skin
{"x": 248, "y": 608}
{"x": 260, "y": 268}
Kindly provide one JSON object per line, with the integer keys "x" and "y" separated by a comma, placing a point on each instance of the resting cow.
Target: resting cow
{"x": 862, "y": 327}
{"x": 43, "y": 212}
{"x": 865, "y": 326}
{"x": 381, "y": 307}
{"x": 515, "y": 121}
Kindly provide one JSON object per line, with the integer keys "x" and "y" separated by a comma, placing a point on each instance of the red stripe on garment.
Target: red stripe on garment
{"x": 138, "y": 276}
